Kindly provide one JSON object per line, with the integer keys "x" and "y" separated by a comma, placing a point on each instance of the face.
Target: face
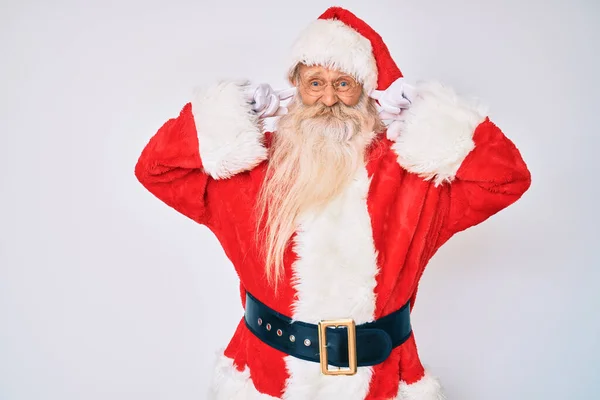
{"x": 319, "y": 144}
{"x": 327, "y": 86}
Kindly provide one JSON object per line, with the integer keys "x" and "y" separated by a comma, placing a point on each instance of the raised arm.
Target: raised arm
{"x": 478, "y": 170}
{"x": 215, "y": 136}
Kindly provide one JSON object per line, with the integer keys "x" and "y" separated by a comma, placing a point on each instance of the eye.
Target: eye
{"x": 344, "y": 83}
{"x": 315, "y": 83}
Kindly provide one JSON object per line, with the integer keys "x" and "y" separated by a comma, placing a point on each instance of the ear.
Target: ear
{"x": 294, "y": 75}
{"x": 292, "y": 79}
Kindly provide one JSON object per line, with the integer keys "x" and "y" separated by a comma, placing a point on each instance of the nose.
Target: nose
{"x": 329, "y": 97}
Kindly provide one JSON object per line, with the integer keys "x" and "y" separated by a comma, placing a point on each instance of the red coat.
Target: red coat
{"x": 361, "y": 258}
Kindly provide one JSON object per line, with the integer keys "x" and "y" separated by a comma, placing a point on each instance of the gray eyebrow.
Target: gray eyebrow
{"x": 313, "y": 75}
{"x": 317, "y": 74}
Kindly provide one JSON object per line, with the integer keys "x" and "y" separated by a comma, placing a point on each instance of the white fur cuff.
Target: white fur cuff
{"x": 437, "y": 134}
{"x": 229, "y": 133}
{"x": 428, "y": 388}
{"x": 227, "y": 383}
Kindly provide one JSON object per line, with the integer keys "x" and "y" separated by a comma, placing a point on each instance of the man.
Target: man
{"x": 331, "y": 220}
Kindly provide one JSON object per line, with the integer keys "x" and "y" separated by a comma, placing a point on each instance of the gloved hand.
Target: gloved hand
{"x": 266, "y": 102}
{"x": 392, "y": 102}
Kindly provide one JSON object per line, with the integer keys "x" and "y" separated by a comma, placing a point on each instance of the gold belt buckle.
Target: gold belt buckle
{"x": 352, "y": 363}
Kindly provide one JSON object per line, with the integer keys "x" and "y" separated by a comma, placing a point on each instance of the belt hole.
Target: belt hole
{"x": 307, "y": 342}
{"x": 268, "y": 327}
{"x": 292, "y": 338}
{"x": 279, "y": 332}
{"x": 259, "y": 321}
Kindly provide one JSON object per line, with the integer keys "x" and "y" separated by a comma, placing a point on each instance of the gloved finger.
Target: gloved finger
{"x": 262, "y": 93}
{"x": 410, "y": 92}
{"x": 403, "y": 103}
{"x": 401, "y": 117}
{"x": 260, "y": 103}
{"x": 376, "y": 94}
{"x": 384, "y": 115}
{"x": 263, "y": 96}
{"x": 390, "y": 108}
{"x": 285, "y": 93}
{"x": 272, "y": 105}
{"x": 397, "y": 85}
{"x": 264, "y": 89}
{"x": 398, "y": 96}
{"x": 394, "y": 130}
{"x": 281, "y": 111}
{"x": 250, "y": 93}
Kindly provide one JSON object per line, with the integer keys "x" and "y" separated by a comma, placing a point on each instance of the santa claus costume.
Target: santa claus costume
{"x": 361, "y": 258}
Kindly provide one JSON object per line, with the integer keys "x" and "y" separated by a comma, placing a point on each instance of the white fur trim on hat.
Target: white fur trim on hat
{"x": 333, "y": 44}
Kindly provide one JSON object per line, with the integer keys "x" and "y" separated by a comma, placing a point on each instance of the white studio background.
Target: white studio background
{"x": 106, "y": 293}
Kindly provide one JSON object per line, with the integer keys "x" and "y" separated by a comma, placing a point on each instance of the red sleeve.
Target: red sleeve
{"x": 491, "y": 177}
{"x": 171, "y": 169}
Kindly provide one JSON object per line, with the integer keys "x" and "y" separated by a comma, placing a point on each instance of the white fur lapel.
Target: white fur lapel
{"x": 334, "y": 277}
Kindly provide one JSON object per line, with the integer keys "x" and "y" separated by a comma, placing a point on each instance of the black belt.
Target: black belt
{"x": 344, "y": 344}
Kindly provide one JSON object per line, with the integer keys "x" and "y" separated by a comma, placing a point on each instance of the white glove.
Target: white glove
{"x": 392, "y": 101}
{"x": 266, "y": 102}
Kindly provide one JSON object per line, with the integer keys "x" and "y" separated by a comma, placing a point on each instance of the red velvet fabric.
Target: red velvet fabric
{"x": 410, "y": 217}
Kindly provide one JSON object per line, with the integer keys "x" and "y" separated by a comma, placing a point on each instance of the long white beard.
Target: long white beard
{"x": 313, "y": 157}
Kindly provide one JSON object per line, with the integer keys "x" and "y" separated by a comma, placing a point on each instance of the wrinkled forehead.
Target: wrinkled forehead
{"x": 318, "y": 71}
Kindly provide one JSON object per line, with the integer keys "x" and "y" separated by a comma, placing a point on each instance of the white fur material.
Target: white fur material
{"x": 333, "y": 44}
{"x": 428, "y": 388}
{"x": 437, "y": 133}
{"x": 334, "y": 277}
{"x": 229, "y": 132}
{"x": 230, "y": 384}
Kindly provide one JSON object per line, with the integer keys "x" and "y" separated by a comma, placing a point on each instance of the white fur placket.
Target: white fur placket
{"x": 334, "y": 277}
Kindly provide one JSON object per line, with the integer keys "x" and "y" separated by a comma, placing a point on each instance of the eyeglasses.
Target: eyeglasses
{"x": 316, "y": 86}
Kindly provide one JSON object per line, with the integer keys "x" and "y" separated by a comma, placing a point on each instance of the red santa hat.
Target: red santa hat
{"x": 339, "y": 39}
